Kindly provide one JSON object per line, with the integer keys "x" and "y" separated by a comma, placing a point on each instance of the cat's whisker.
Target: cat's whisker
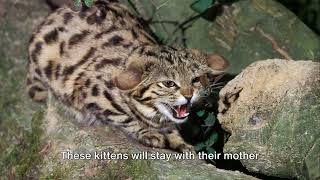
{"x": 216, "y": 87}
{"x": 216, "y": 84}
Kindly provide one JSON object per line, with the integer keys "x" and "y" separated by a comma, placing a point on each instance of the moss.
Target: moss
{"x": 123, "y": 169}
{"x": 64, "y": 171}
{"x": 139, "y": 169}
{"x": 57, "y": 174}
{"x": 289, "y": 141}
{"x": 19, "y": 122}
{"x": 25, "y": 156}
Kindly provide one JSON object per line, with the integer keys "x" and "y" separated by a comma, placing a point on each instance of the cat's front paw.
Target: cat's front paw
{"x": 185, "y": 148}
{"x": 153, "y": 139}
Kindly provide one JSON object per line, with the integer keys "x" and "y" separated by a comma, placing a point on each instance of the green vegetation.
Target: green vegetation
{"x": 124, "y": 169}
{"x": 19, "y": 122}
{"x": 88, "y": 3}
{"x": 204, "y": 126}
{"x": 25, "y": 155}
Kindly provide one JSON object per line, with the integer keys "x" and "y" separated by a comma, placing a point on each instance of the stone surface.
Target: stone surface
{"x": 272, "y": 108}
{"x": 20, "y": 118}
{"x": 61, "y": 134}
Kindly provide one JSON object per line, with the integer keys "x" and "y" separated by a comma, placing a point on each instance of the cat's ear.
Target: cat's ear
{"x": 214, "y": 61}
{"x": 129, "y": 78}
{"x": 217, "y": 62}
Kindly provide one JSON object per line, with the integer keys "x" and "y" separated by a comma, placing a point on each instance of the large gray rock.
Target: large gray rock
{"x": 272, "y": 108}
{"x": 19, "y": 116}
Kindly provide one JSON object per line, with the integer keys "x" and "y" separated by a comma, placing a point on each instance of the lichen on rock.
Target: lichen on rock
{"x": 272, "y": 108}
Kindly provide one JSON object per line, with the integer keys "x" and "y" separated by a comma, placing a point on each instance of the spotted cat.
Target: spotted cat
{"x": 103, "y": 66}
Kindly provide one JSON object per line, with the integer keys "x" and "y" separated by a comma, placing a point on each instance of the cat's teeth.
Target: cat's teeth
{"x": 185, "y": 115}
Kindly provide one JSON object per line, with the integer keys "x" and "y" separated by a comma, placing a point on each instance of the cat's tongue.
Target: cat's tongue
{"x": 182, "y": 110}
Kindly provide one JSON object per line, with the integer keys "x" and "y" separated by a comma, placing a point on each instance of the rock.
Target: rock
{"x": 62, "y": 135}
{"x": 20, "y": 118}
{"x": 272, "y": 108}
{"x": 242, "y": 32}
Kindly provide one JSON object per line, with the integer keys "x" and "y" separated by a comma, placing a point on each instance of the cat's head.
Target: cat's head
{"x": 165, "y": 81}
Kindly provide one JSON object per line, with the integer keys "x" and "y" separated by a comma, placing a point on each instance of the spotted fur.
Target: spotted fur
{"x": 102, "y": 65}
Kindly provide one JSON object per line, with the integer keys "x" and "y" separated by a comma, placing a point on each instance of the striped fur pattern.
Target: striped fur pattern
{"x": 102, "y": 65}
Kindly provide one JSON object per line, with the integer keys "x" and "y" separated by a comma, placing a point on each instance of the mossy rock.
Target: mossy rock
{"x": 20, "y": 118}
{"x": 272, "y": 108}
{"x": 61, "y": 134}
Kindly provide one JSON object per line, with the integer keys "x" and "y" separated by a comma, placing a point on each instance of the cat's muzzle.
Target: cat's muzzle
{"x": 179, "y": 111}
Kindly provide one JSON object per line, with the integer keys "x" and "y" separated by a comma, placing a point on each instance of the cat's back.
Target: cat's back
{"x": 68, "y": 33}
{"x": 70, "y": 43}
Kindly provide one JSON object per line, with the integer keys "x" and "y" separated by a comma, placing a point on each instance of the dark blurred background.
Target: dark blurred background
{"x": 307, "y": 10}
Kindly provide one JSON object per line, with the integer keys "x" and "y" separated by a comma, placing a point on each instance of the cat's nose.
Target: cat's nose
{"x": 188, "y": 98}
{"x": 187, "y": 92}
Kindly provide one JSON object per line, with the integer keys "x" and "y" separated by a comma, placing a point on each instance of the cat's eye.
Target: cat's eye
{"x": 195, "y": 80}
{"x": 169, "y": 84}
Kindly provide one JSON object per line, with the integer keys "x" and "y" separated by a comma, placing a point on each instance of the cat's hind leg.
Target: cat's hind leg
{"x": 35, "y": 88}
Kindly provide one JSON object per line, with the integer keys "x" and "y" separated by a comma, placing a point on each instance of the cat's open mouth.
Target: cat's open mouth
{"x": 180, "y": 111}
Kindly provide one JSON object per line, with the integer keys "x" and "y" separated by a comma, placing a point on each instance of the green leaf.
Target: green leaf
{"x": 199, "y": 146}
{"x": 210, "y": 150}
{"x": 77, "y": 3}
{"x": 212, "y": 139}
{"x": 210, "y": 120}
{"x": 201, "y": 5}
{"x": 88, "y": 3}
{"x": 200, "y": 113}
